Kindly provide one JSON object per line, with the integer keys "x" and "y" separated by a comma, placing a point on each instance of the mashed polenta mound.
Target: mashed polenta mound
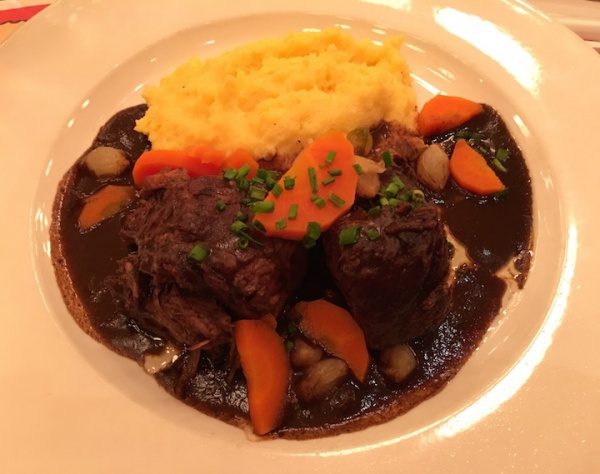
{"x": 272, "y": 97}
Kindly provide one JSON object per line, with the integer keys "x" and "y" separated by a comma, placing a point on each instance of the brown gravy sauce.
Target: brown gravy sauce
{"x": 494, "y": 231}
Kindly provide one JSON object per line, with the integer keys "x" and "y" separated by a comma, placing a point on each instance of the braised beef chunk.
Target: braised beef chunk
{"x": 395, "y": 285}
{"x": 191, "y": 298}
{"x": 401, "y": 142}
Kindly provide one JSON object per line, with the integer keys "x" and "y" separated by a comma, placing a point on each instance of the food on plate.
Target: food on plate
{"x": 275, "y": 236}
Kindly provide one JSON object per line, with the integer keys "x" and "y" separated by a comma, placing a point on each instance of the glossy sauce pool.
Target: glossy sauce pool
{"x": 495, "y": 231}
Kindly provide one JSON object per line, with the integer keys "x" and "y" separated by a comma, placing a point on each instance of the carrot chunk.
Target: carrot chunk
{"x": 337, "y": 332}
{"x": 266, "y": 367}
{"x": 471, "y": 172}
{"x": 324, "y": 188}
{"x": 154, "y": 161}
{"x": 104, "y": 204}
{"x": 444, "y": 112}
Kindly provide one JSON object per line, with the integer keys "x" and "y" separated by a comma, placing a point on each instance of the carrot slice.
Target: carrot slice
{"x": 470, "y": 170}
{"x": 270, "y": 320}
{"x": 444, "y": 112}
{"x": 104, "y": 204}
{"x": 239, "y": 158}
{"x": 336, "y": 330}
{"x": 154, "y": 161}
{"x": 266, "y": 367}
{"x": 342, "y": 186}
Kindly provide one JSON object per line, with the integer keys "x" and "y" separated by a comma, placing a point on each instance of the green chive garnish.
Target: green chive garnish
{"x": 281, "y": 224}
{"x": 237, "y": 227}
{"x": 270, "y": 182}
{"x": 220, "y": 206}
{"x": 417, "y": 195}
{"x": 328, "y": 181}
{"x": 258, "y": 226}
{"x": 257, "y": 194}
{"x": 318, "y": 201}
{"x": 313, "y": 232}
{"x": 391, "y": 190}
{"x": 502, "y": 154}
{"x": 336, "y": 200}
{"x": 462, "y": 134}
{"x": 387, "y": 158}
{"x": 375, "y": 211}
{"x": 498, "y": 165}
{"x": 293, "y": 212}
{"x": 384, "y": 202}
{"x": 289, "y": 182}
{"x": 240, "y": 216}
{"x": 243, "y": 242}
{"x": 277, "y": 190}
{"x": 330, "y": 157}
{"x": 262, "y": 174}
{"x": 199, "y": 252}
{"x": 243, "y": 171}
{"x": 359, "y": 170}
{"x": 242, "y": 183}
{"x": 372, "y": 233}
{"x": 349, "y": 235}
{"x": 398, "y": 181}
{"x": 229, "y": 173}
{"x": 262, "y": 207}
{"x": 393, "y": 202}
{"x": 257, "y": 180}
{"x": 335, "y": 172}
{"x": 312, "y": 178}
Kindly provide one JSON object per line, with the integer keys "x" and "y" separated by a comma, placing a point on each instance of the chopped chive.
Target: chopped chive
{"x": 391, "y": 190}
{"x": 257, "y": 194}
{"x": 372, "y": 233}
{"x": 336, "y": 200}
{"x": 289, "y": 345}
{"x": 349, "y": 235}
{"x": 245, "y": 201}
{"x": 293, "y": 213}
{"x": 240, "y": 216}
{"x": 462, "y": 134}
{"x": 262, "y": 207}
{"x": 277, "y": 190}
{"x": 262, "y": 174}
{"x": 359, "y": 170}
{"x": 270, "y": 182}
{"x": 243, "y": 171}
{"x": 313, "y": 232}
{"x": 330, "y": 157}
{"x": 289, "y": 182}
{"x": 237, "y": 227}
{"x": 229, "y": 173}
{"x": 292, "y": 329}
{"x": 405, "y": 196}
{"x": 498, "y": 165}
{"x": 312, "y": 178}
{"x": 242, "y": 183}
{"x": 375, "y": 211}
{"x": 258, "y": 226}
{"x": 243, "y": 242}
{"x": 335, "y": 172}
{"x": 384, "y": 201}
{"x": 417, "y": 195}
{"x": 393, "y": 202}
{"x": 502, "y": 154}
{"x": 220, "y": 206}
{"x": 398, "y": 181}
{"x": 199, "y": 252}
{"x": 318, "y": 201}
{"x": 257, "y": 180}
{"x": 281, "y": 224}
{"x": 328, "y": 181}
{"x": 387, "y": 158}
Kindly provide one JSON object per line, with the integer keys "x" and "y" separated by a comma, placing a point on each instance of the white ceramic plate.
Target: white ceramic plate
{"x": 529, "y": 399}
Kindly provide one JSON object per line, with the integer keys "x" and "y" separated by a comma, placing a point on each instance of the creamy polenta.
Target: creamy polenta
{"x": 274, "y": 96}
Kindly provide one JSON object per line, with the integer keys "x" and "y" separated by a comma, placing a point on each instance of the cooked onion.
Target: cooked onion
{"x": 321, "y": 378}
{"x": 304, "y": 355}
{"x": 154, "y": 363}
{"x": 433, "y": 167}
{"x": 397, "y": 362}
{"x": 368, "y": 183}
{"x": 106, "y": 161}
